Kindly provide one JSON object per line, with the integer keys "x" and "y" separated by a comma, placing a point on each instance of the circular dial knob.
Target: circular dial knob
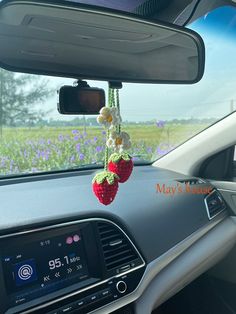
{"x": 121, "y": 286}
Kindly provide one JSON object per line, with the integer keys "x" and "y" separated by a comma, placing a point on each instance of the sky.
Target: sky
{"x": 210, "y": 98}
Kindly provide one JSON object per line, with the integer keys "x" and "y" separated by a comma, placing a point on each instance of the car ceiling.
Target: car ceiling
{"x": 180, "y": 12}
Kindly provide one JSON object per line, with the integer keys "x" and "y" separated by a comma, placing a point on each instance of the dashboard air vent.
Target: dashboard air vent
{"x": 214, "y": 204}
{"x": 117, "y": 249}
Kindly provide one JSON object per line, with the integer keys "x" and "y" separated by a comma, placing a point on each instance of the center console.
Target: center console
{"x": 67, "y": 268}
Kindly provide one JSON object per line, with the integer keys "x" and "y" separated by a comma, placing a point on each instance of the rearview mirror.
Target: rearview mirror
{"x": 79, "y": 41}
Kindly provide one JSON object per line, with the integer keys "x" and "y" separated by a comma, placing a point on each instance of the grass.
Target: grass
{"x": 27, "y": 150}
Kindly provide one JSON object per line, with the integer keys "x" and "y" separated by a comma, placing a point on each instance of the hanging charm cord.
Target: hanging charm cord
{"x": 118, "y": 108}
{"x": 113, "y": 101}
{"x": 107, "y": 135}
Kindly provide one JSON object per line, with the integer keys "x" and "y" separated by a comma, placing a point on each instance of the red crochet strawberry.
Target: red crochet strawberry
{"x": 105, "y": 186}
{"x": 122, "y": 165}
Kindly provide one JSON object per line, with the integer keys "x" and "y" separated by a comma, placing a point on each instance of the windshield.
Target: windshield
{"x": 36, "y": 138}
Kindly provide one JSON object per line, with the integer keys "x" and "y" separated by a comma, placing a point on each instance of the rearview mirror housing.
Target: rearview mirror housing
{"x": 80, "y": 41}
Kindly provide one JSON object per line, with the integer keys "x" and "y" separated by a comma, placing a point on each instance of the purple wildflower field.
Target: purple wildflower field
{"x": 51, "y": 149}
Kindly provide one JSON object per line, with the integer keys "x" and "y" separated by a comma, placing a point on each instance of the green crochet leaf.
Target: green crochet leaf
{"x": 117, "y": 157}
{"x": 105, "y": 175}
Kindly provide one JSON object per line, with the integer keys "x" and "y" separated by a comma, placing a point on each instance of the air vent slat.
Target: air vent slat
{"x": 106, "y": 232}
{"x": 114, "y": 250}
{"x": 117, "y": 249}
{"x": 112, "y": 255}
{"x": 119, "y": 262}
{"x": 110, "y": 238}
{"x": 214, "y": 204}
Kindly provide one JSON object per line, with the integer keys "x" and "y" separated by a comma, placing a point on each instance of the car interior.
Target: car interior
{"x": 117, "y": 156}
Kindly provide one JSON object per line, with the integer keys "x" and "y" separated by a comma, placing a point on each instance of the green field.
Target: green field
{"x": 26, "y": 150}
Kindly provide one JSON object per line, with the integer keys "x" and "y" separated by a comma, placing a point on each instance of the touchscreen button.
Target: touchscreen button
{"x": 25, "y": 272}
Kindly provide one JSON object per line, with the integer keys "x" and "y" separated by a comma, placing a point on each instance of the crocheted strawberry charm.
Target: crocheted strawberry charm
{"x": 119, "y": 166}
{"x": 122, "y": 165}
{"x": 105, "y": 186}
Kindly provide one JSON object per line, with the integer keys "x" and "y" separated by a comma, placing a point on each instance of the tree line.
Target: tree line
{"x": 21, "y": 96}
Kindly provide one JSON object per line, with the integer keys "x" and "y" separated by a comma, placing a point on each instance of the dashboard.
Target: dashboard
{"x": 62, "y": 252}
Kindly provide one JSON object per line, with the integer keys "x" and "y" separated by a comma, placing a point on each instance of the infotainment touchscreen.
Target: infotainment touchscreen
{"x": 37, "y": 268}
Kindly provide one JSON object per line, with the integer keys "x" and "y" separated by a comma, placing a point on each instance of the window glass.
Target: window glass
{"x": 34, "y": 137}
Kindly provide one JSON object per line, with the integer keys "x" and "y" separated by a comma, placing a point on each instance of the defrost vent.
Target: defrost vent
{"x": 119, "y": 253}
{"x": 192, "y": 181}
